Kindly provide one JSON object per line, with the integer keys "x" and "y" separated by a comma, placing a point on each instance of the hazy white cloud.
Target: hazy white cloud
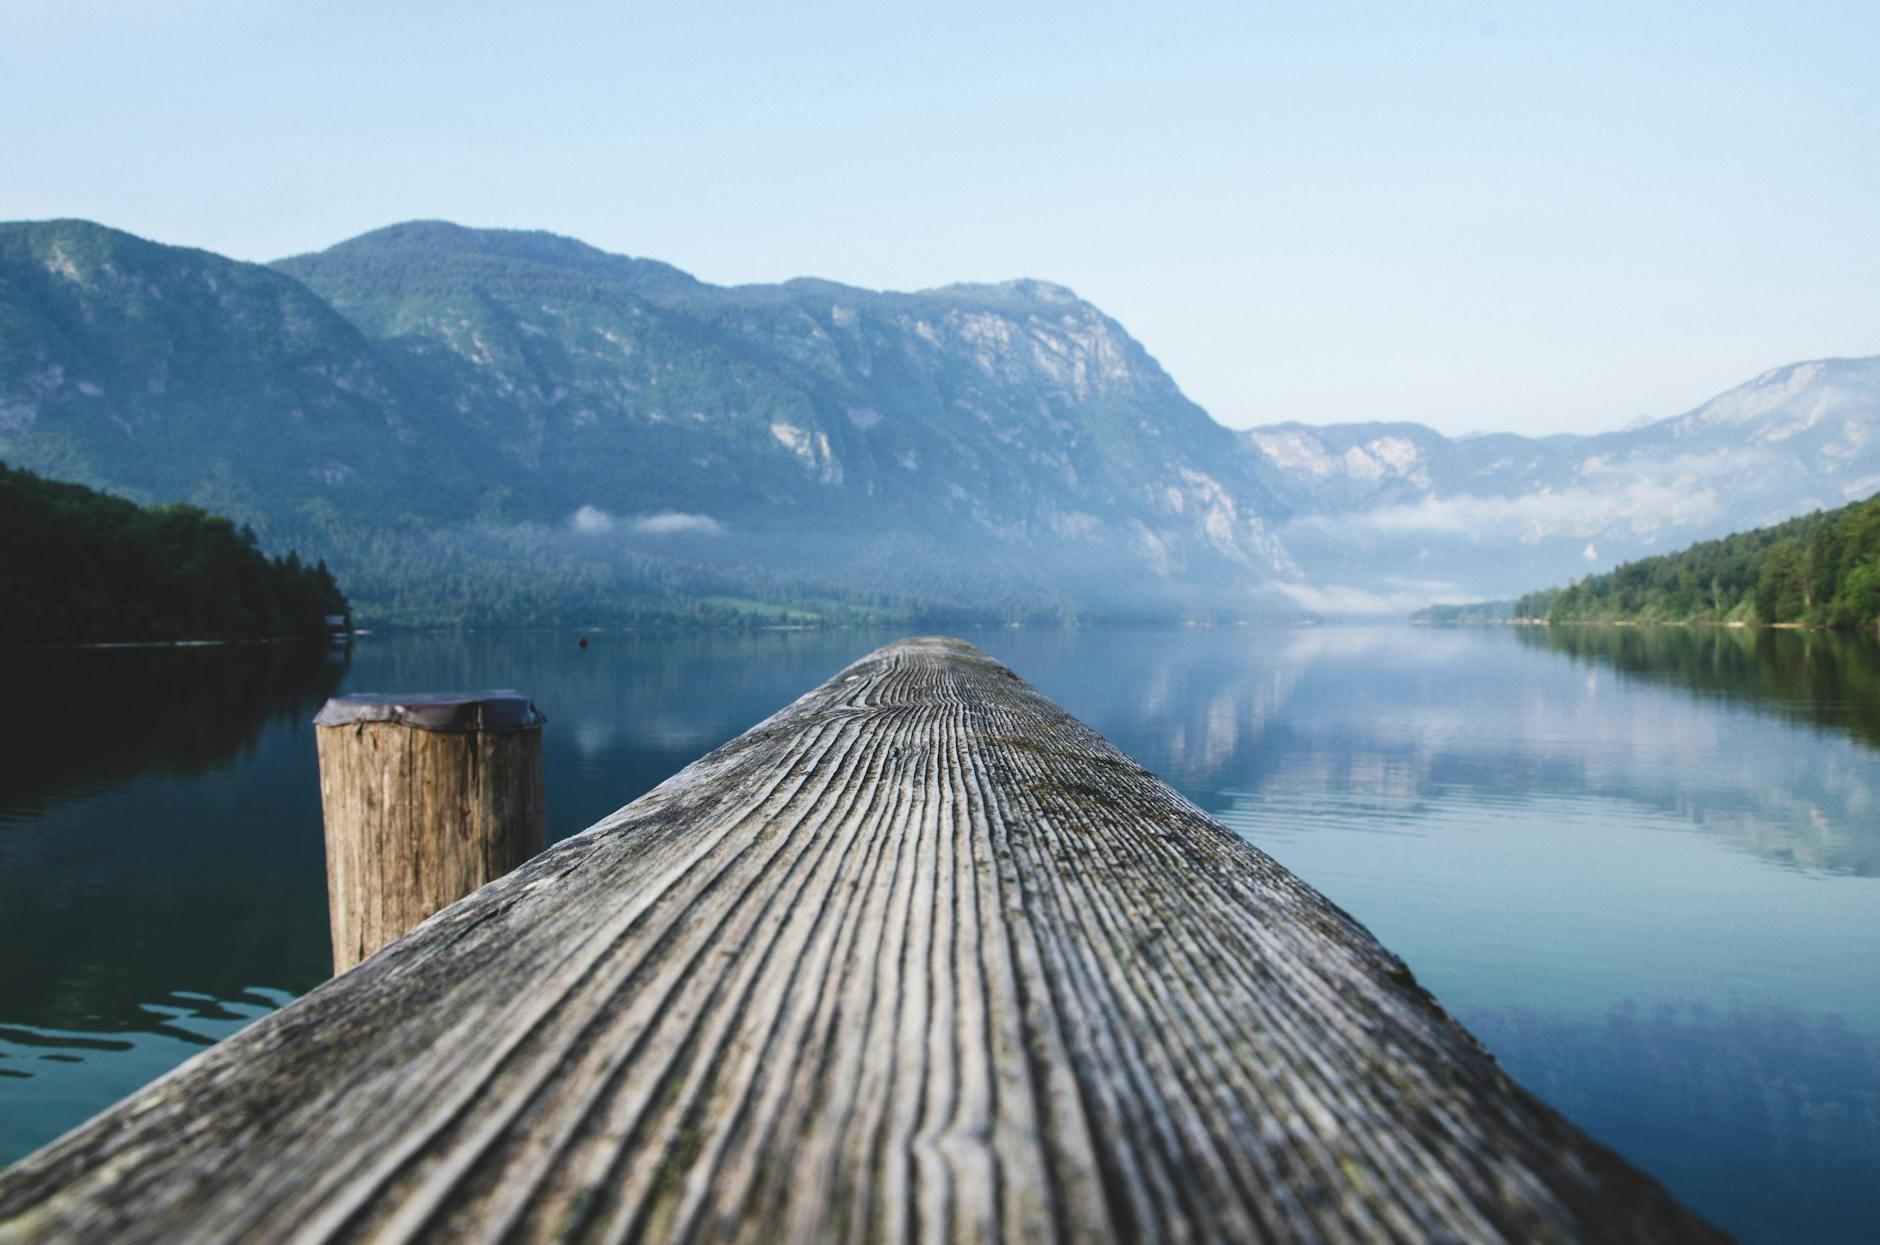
{"x": 1642, "y": 505}
{"x": 674, "y": 523}
{"x": 1389, "y": 598}
{"x": 594, "y": 520}
{"x": 591, "y": 519}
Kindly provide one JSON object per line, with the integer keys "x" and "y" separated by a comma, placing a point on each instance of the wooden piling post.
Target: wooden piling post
{"x": 426, "y": 798}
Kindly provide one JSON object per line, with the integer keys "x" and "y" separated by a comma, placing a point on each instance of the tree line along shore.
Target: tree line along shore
{"x": 78, "y": 566}
{"x": 1818, "y": 571}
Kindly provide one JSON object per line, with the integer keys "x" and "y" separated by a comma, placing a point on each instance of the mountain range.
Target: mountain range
{"x": 1388, "y": 516}
{"x": 502, "y": 426}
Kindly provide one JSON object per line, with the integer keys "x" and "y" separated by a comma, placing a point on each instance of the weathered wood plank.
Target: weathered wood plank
{"x": 920, "y": 958}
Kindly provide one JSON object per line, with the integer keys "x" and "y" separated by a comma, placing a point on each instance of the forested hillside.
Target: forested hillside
{"x": 1821, "y": 570}
{"x": 77, "y": 565}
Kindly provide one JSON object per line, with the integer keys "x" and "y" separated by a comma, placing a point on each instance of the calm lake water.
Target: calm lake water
{"x": 1643, "y": 866}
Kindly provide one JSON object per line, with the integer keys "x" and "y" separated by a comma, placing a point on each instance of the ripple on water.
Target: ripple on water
{"x": 57, "y": 1077}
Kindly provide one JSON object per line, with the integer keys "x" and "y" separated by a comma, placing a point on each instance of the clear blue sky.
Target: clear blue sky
{"x": 1481, "y": 216}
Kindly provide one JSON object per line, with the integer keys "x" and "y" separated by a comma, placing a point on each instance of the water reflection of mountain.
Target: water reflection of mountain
{"x": 1767, "y": 1118}
{"x": 1374, "y": 727}
{"x": 1829, "y": 678}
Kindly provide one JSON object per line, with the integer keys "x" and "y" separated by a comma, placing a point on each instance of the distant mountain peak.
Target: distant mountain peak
{"x": 1787, "y": 399}
{"x": 1492, "y": 515}
{"x": 443, "y": 248}
{"x": 448, "y": 235}
{"x": 1019, "y": 293}
{"x": 418, "y": 244}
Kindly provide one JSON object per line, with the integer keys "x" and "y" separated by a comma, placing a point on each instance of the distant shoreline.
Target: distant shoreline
{"x": 69, "y": 646}
{"x": 1731, "y": 625}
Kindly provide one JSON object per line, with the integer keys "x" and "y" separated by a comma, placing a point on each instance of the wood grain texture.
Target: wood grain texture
{"x": 918, "y": 959}
{"x": 417, "y": 819}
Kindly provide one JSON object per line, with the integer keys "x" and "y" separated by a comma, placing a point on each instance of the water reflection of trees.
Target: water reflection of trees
{"x": 86, "y": 720}
{"x": 1767, "y": 1119}
{"x": 130, "y": 889}
{"x": 1830, "y": 678}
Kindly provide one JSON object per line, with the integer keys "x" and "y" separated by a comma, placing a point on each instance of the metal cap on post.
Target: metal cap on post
{"x": 426, "y": 797}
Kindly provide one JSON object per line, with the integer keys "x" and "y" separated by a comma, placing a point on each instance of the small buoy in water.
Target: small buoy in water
{"x": 582, "y": 642}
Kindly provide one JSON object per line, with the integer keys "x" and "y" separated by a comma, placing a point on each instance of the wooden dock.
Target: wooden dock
{"x": 918, "y": 959}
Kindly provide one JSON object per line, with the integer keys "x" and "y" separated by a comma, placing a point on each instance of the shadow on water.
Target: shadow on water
{"x": 1829, "y": 678}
